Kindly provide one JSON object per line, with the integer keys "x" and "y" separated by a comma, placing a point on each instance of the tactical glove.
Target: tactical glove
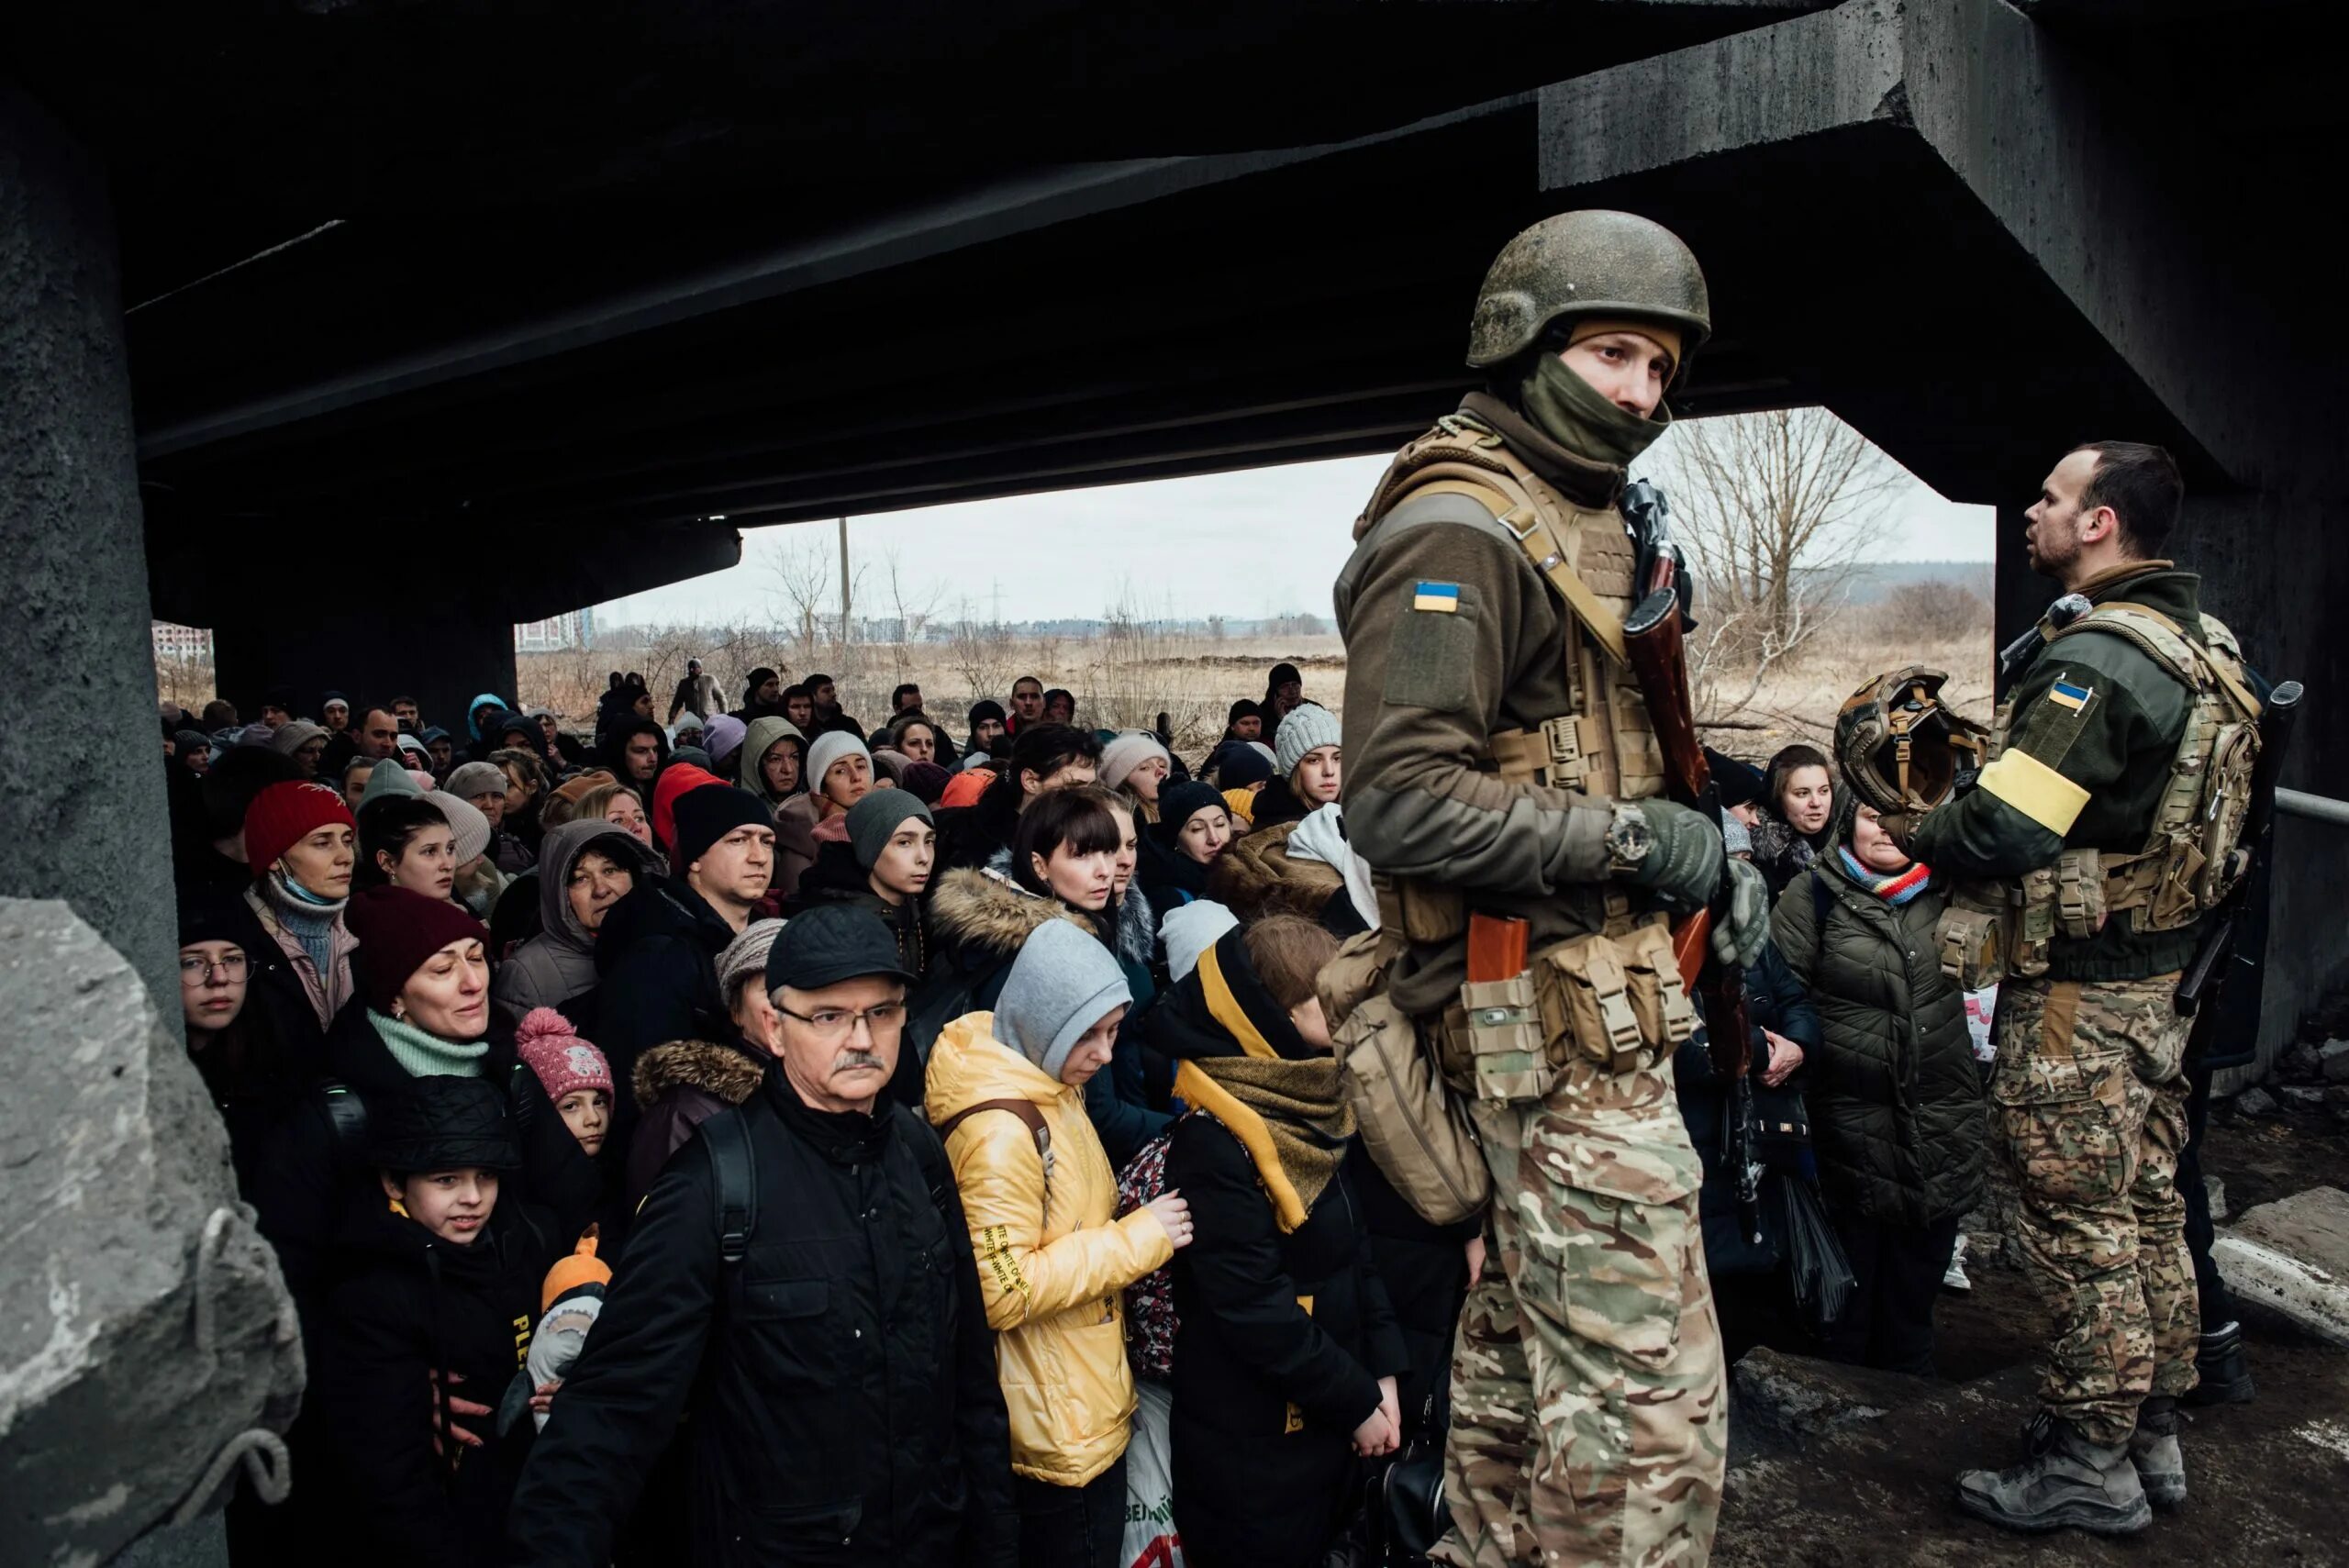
{"x": 1739, "y": 936}
{"x": 1681, "y": 862}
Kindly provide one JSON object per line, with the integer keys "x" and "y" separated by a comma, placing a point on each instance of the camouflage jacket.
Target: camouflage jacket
{"x": 2109, "y": 736}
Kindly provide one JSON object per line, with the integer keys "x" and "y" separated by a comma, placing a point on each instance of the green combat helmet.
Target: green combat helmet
{"x": 1902, "y": 750}
{"x": 1586, "y": 263}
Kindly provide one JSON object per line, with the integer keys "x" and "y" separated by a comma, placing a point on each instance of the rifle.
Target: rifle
{"x": 2205, "y": 977}
{"x": 1652, "y": 636}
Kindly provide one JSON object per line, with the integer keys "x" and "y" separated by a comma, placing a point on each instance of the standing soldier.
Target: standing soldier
{"x": 2110, "y": 810}
{"x": 1502, "y": 768}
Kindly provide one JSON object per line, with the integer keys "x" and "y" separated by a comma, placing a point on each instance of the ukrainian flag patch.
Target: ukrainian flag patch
{"x": 2077, "y": 698}
{"x": 1444, "y": 598}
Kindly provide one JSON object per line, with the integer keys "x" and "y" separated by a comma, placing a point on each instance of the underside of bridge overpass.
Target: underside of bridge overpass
{"x": 359, "y": 331}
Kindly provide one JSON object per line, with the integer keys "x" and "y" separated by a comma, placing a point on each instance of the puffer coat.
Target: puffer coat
{"x": 1894, "y": 1094}
{"x": 1052, "y": 1259}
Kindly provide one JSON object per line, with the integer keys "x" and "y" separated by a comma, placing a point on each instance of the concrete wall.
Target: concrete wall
{"x": 82, "y": 811}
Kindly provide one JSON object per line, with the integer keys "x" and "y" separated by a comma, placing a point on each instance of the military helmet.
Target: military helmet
{"x": 1901, "y": 748}
{"x": 1586, "y": 263}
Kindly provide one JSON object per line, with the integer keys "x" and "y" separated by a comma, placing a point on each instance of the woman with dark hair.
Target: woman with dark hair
{"x": 1193, "y": 830}
{"x": 404, "y": 841}
{"x": 1795, "y": 822}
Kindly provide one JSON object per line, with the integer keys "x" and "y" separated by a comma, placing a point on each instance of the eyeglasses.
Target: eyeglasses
{"x": 832, "y": 1024}
{"x": 198, "y": 971}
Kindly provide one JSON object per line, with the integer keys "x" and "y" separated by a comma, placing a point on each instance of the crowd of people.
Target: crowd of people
{"x": 1055, "y": 1117}
{"x": 745, "y": 1136}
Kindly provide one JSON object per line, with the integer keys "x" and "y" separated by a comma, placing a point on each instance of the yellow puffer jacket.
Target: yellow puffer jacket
{"x": 1052, "y": 1260}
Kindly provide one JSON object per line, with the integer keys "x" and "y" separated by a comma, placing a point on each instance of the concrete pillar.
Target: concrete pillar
{"x": 373, "y": 645}
{"x": 81, "y": 774}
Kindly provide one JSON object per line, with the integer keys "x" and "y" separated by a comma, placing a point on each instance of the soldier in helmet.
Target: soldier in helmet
{"x": 1502, "y": 765}
{"x": 2121, "y": 765}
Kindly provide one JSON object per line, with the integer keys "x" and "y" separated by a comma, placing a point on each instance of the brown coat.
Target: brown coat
{"x": 1255, "y": 877}
{"x": 678, "y": 1086}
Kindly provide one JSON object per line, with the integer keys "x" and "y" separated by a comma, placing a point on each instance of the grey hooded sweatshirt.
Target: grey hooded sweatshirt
{"x": 560, "y": 962}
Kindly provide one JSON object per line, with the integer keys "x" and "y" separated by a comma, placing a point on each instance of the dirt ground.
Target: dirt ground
{"x": 2269, "y": 1480}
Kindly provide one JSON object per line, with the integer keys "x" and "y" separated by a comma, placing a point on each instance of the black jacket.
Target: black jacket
{"x": 1776, "y": 1001}
{"x": 310, "y": 1176}
{"x": 1250, "y": 1357}
{"x": 840, "y": 1378}
{"x": 405, "y": 1305}
{"x": 1896, "y": 1096}
{"x": 656, "y": 966}
{"x": 971, "y": 836}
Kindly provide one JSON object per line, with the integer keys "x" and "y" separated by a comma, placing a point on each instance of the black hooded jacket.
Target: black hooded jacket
{"x": 403, "y": 1306}
{"x": 1268, "y": 1388}
{"x": 840, "y": 1379}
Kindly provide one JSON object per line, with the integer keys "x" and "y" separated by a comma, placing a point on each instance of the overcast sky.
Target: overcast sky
{"x": 1261, "y": 543}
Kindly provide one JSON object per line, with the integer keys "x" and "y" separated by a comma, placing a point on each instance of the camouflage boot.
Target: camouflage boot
{"x": 2068, "y": 1482}
{"x": 2161, "y": 1466}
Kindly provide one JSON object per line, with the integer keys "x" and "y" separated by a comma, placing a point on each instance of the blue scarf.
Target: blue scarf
{"x": 309, "y": 917}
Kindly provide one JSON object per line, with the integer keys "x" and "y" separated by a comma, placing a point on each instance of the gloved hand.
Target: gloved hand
{"x": 1738, "y": 939}
{"x": 1683, "y": 866}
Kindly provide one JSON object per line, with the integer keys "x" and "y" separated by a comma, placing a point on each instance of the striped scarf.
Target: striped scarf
{"x": 1894, "y": 887}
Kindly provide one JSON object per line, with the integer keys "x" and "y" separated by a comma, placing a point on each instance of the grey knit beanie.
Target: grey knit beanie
{"x": 826, "y": 750}
{"x": 467, "y": 826}
{"x": 1062, "y": 982}
{"x": 476, "y": 778}
{"x": 391, "y": 777}
{"x": 1308, "y": 725}
{"x": 873, "y": 820}
{"x": 745, "y": 959}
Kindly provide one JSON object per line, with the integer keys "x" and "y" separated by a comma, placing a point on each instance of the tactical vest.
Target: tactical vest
{"x": 2192, "y": 856}
{"x": 1605, "y": 746}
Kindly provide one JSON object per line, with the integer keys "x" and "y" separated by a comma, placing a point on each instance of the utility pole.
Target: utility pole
{"x": 845, "y": 583}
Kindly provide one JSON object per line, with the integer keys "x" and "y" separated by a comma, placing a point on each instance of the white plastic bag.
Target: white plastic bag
{"x": 1151, "y": 1541}
{"x": 1981, "y": 1009}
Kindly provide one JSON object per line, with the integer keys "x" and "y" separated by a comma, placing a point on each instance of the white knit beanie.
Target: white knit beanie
{"x": 467, "y": 826}
{"x": 1124, "y": 753}
{"x": 1307, "y": 726}
{"x": 829, "y": 748}
{"x": 1189, "y": 930}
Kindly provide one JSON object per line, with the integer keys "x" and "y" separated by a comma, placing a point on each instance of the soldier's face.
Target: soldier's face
{"x": 2057, "y": 525}
{"x": 1628, "y": 369}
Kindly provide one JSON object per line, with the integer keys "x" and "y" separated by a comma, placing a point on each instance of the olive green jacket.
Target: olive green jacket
{"x": 1452, "y": 635}
{"x": 2115, "y": 749}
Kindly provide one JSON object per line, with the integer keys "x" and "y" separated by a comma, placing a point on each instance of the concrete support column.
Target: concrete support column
{"x": 374, "y": 649}
{"x": 81, "y": 808}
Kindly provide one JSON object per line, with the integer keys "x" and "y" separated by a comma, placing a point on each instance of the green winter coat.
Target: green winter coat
{"x": 1894, "y": 1097}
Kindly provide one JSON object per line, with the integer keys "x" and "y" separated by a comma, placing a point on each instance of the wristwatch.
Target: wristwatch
{"x": 1629, "y": 839}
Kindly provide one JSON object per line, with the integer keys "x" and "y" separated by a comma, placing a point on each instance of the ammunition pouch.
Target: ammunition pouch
{"x": 1993, "y": 929}
{"x": 1613, "y": 999}
{"x": 1973, "y": 944}
{"x": 2080, "y": 905}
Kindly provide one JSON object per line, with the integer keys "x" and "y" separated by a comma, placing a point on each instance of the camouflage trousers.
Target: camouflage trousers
{"x": 1589, "y": 1422}
{"x": 2092, "y": 1098}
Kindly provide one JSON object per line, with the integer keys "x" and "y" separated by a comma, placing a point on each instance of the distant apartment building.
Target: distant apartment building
{"x": 174, "y": 640}
{"x": 556, "y": 633}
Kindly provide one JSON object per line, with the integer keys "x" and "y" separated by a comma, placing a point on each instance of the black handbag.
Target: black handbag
{"x": 1405, "y": 1510}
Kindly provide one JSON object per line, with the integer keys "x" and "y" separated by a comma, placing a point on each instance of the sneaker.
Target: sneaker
{"x": 2225, "y": 1376}
{"x": 2068, "y": 1483}
{"x": 1954, "y": 1277}
{"x": 2153, "y": 1449}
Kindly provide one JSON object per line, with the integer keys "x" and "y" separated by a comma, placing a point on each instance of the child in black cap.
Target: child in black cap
{"x": 436, "y": 1288}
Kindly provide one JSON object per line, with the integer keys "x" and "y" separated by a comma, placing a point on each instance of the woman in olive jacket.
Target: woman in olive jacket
{"x": 1894, "y": 1092}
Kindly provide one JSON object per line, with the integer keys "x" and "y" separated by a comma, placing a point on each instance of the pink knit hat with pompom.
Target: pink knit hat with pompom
{"x": 564, "y": 1062}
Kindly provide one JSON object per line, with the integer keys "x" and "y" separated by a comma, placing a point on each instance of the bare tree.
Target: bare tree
{"x": 915, "y": 603}
{"x": 981, "y": 653}
{"x": 1774, "y": 510}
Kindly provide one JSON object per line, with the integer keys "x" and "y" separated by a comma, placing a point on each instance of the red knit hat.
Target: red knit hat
{"x": 285, "y": 814}
{"x": 397, "y": 930}
{"x": 564, "y": 1062}
{"x": 674, "y": 780}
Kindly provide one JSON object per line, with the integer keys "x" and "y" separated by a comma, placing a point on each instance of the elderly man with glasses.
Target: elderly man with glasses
{"x": 798, "y": 1288}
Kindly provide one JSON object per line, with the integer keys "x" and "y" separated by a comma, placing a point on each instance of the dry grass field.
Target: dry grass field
{"x": 1125, "y": 679}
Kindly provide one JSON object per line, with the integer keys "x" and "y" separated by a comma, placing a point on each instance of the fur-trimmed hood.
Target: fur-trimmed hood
{"x": 1256, "y": 877}
{"x": 987, "y": 912}
{"x": 728, "y": 1072}
{"x": 1137, "y": 927}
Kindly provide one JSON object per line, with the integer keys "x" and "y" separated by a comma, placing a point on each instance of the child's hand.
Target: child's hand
{"x": 457, "y": 1407}
{"x": 544, "y": 1401}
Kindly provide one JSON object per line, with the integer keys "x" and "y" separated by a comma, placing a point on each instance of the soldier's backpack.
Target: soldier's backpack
{"x": 2194, "y": 856}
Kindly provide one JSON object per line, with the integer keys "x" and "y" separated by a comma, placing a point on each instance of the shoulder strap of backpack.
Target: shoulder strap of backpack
{"x": 737, "y": 1183}
{"x": 1025, "y": 1110}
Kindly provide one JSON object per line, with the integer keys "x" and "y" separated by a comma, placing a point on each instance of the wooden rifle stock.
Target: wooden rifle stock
{"x": 1652, "y": 636}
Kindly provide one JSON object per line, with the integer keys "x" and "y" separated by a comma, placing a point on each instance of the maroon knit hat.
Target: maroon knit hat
{"x": 397, "y": 930}
{"x": 285, "y": 814}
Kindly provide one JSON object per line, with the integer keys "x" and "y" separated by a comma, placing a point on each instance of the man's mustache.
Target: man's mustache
{"x": 849, "y": 1061}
